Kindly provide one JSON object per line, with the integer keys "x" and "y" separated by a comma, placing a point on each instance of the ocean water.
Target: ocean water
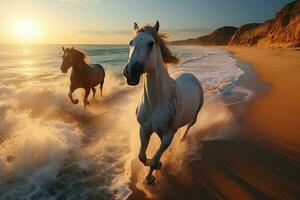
{"x": 52, "y": 149}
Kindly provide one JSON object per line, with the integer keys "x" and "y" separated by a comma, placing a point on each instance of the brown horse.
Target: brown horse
{"x": 84, "y": 75}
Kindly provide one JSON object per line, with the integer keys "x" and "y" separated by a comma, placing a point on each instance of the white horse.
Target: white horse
{"x": 167, "y": 104}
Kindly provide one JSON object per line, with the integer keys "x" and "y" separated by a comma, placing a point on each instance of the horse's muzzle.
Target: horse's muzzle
{"x": 133, "y": 76}
{"x": 63, "y": 70}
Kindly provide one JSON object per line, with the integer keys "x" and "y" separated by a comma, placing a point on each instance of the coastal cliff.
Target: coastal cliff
{"x": 220, "y": 36}
{"x": 245, "y": 35}
{"x": 282, "y": 31}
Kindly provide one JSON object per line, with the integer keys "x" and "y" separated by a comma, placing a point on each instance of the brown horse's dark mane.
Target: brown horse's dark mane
{"x": 160, "y": 38}
{"x": 78, "y": 55}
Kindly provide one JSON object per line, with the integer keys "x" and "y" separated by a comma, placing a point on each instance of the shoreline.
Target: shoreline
{"x": 274, "y": 114}
{"x": 212, "y": 176}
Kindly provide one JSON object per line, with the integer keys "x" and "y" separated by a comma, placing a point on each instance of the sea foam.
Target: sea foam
{"x": 51, "y": 149}
{"x": 215, "y": 69}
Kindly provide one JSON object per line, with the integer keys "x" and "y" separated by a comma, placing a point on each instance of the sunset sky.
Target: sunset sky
{"x": 110, "y": 21}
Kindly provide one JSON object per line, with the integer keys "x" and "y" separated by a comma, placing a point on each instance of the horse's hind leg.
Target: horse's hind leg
{"x": 188, "y": 127}
{"x": 101, "y": 87}
{"x": 86, "y": 95}
{"x": 94, "y": 91}
{"x": 192, "y": 122}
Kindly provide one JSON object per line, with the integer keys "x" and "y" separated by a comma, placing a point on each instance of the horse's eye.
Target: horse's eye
{"x": 150, "y": 44}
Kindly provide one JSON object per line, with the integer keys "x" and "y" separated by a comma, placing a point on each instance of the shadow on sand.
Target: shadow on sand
{"x": 230, "y": 169}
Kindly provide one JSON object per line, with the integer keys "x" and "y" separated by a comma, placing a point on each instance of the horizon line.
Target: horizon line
{"x": 67, "y": 44}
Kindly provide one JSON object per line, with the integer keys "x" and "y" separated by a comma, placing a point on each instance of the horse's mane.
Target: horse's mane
{"x": 78, "y": 55}
{"x": 160, "y": 38}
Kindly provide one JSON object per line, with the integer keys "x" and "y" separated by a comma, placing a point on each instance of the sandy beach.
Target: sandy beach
{"x": 250, "y": 167}
{"x": 275, "y": 115}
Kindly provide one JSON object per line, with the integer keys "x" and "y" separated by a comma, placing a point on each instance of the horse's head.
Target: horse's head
{"x": 141, "y": 53}
{"x": 66, "y": 59}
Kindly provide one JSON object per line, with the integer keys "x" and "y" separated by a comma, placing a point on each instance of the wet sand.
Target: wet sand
{"x": 275, "y": 115}
{"x": 263, "y": 162}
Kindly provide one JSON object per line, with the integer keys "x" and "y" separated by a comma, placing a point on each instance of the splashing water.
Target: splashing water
{"x": 50, "y": 148}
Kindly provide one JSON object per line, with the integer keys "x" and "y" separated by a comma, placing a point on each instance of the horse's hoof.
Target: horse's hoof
{"x": 150, "y": 179}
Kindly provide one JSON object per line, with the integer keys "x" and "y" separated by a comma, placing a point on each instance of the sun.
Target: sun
{"x": 26, "y": 29}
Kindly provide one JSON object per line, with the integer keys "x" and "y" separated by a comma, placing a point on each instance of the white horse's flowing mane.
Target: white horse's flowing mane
{"x": 160, "y": 38}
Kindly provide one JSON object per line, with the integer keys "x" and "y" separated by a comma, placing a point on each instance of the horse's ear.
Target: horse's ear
{"x": 136, "y": 26}
{"x": 63, "y": 48}
{"x": 156, "y": 26}
{"x": 72, "y": 48}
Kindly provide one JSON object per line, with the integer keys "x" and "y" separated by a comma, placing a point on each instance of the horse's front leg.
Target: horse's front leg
{"x": 155, "y": 163}
{"x": 144, "y": 137}
{"x": 86, "y": 95}
{"x": 70, "y": 95}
